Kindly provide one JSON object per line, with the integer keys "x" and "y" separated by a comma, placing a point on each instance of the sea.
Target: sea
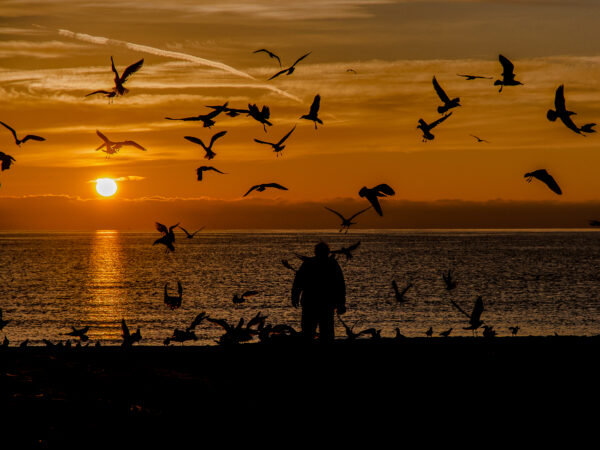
{"x": 546, "y": 282}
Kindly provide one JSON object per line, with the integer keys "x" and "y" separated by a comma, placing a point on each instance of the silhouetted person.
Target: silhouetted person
{"x": 320, "y": 287}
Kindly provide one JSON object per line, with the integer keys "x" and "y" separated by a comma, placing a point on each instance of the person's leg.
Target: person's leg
{"x": 326, "y": 329}
{"x": 309, "y": 323}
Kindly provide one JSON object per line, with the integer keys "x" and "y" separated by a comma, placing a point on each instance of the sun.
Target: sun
{"x": 106, "y": 187}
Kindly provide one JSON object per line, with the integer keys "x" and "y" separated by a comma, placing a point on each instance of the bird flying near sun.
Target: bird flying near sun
{"x": 106, "y": 187}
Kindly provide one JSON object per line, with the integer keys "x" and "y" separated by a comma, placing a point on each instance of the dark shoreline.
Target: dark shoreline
{"x": 62, "y": 396}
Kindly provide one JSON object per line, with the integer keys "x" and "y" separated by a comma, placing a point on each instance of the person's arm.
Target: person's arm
{"x": 298, "y": 286}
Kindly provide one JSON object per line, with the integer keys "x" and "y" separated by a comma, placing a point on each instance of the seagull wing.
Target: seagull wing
{"x": 104, "y": 138}
{"x": 114, "y": 69}
{"x": 440, "y": 120}
{"x": 101, "y": 91}
{"x": 277, "y": 74}
{"x": 300, "y": 59}
{"x": 440, "y": 92}
{"x": 185, "y": 231}
{"x": 263, "y": 142}
{"x": 286, "y": 136}
{"x": 507, "y": 66}
{"x": 375, "y": 202}
{"x": 217, "y": 136}
{"x": 131, "y": 70}
{"x": 249, "y": 293}
{"x": 338, "y": 214}
{"x": 125, "y": 330}
{"x": 134, "y": 144}
{"x": 220, "y": 322}
{"x": 395, "y": 287}
{"x": 314, "y": 108}
{"x": 354, "y": 246}
{"x": 214, "y": 169}
{"x": 275, "y": 185}
{"x": 162, "y": 228}
{"x": 385, "y": 189}
{"x": 559, "y": 100}
{"x": 196, "y": 140}
{"x": 477, "y": 310}
{"x": 550, "y": 182}
{"x": 251, "y": 189}
{"x": 360, "y": 212}
{"x": 33, "y": 137}
{"x": 14, "y": 133}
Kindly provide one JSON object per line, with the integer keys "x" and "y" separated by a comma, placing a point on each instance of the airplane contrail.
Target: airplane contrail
{"x": 170, "y": 54}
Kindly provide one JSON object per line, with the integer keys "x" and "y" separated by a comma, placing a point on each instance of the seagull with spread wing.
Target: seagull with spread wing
{"x": 346, "y": 223}
{"x": 6, "y": 161}
{"x": 189, "y": 235}
{"x": 399, "y": 294}
{"x": 448, "y": 104}
{"x": 372, "y": 194}
{"x": 262, "y": 187}
{"x": 120, "y": 80}
{"x": 278, "y": 146}
{"x": 260, "y": 115}
{"x": 473, "y": 77}
{"x": 346, "y": 251}
{"x": 206, "y": 119}
{"x": 129, "y": 338}
{"x": 475, "y": 316}
{"x": 200, "y": 170}
{"x": 208, "y": 149}
{"x": 242, "y": 298}
{"x": 314, "y": 111}
{"x": 508, "y": 74}
{"x": 168, "y": 237}
{"x": 113, "y": 147}
{"x": 564, "y": 115}
{"x": 28, "y": 137}
{"x": 546, "y": 178}
{"x": 271, "y": 54}
{"x": 426, "y": 127}
{"x": 289, "y": 70}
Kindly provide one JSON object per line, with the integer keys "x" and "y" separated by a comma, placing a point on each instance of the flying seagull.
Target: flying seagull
{"x": 242, "y": 298}
{"x": 260, "y": 115}
{"x": 120, "y": 80}
{"x": 473, "y": 77}
{"x": 25, "y": 139}
{"x": 314, "y": 111}
{"x": 475, "y": 316}
{"x": 479, "y": 139}
{"x": 168, "y": 237}
{"x": 190, "y": 235}
{"x": 508, "y": 74}
{"x": 399, "y": 294}
{"x": 203, "y": 169}
{"x": 544, "y": 177}
{"x": 448, "y": 104}
{"x": 277, "y": 147}
{"x": 262, "y": 187}
{"x": 563, "y": 114}
{"x": 271, "y": 54}
{"x": 346, "y": 251}
{"x": 113, "y": 147}
{"x": 6, "y": 161}
{"x": 346, "y": 223}
{"x": 352, "y": 71}
{"x": 289, "y": 70}
{"x": 80, "y": 333}
{"x": 129, "y": 338}
{"x": 426, "y": 128}
{"x": 372, "y": 194}
{"x": 209, "y": 153}
{"x": 206, "y": 119}
{"x": 231, "y": 112}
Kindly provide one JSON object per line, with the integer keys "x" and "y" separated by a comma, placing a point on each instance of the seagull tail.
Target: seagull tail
{"x": 588, "y": 128}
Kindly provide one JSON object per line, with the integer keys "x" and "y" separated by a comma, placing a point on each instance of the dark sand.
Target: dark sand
{"x": 98, "y": 397}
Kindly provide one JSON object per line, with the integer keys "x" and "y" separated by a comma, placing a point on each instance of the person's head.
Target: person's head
{"x": 321, "y": 250}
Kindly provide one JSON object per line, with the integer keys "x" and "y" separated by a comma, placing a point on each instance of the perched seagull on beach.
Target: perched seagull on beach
{"x": 489, "y": 332}
{"x": 208, "y": 149}
{"x": 426, "y": 127}
{"x": 173, "y": 301}
{"x": 372, "y": 194}
{"x": 242, "y": 298}
{"x": 449, "y": 281}
{"x": 120, "y": 80}
{"x": 271, "y": 54}
{"x": 206, "y": 119}
{"x": 129, "y": 338}
{"x": 181, "y": 336}
{"x": 373, "y": 332}
{"x": 346, "y": 251}
{"x": 3, "y": 322}
{"x": 347, "y": 223}
{"x": 446, "y": 333}
{"x": 350, "y": 334}
{"x": 448, "y": 104}
{"x": 233, "y": 335}
{"x": 260, "y": 115}
{"x": 429, "y": 332}
{"x": 28, "y": 137}
{"x": 168, "y": 237}
{"x": 6, "y": 161}
{"x": 190, "y": 235}
{"x": 508, "y": 74}
{"x": 277, "y": 147}
{"x": 289, "y": 70}
{"x": 81, "y": 333}
{"x": 514, "y": 330}
{"x": 564, "y": 115}
{"x": 473, "y": 77}
{"x": 113, "y": 147}
{"x": 313, "y": 113}
{"x": 262, "y": 187}
{"x": 545, "y": 178}
{"x": 200, "y": 170}
{"x": 399, "y": 294}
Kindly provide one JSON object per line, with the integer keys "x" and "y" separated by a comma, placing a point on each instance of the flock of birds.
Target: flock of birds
{"x": 257, "y": 326}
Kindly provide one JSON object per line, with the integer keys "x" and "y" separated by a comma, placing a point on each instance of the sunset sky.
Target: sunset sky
{"x": 200, "y": 53}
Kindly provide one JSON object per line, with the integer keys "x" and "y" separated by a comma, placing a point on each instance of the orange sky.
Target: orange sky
{"x": 369, "y": 134}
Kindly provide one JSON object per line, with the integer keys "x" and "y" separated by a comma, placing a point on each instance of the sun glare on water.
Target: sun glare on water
{"x": 106, "y": 187}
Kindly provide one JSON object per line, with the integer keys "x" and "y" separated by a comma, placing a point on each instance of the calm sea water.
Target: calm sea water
{"x": 543, "y": 281}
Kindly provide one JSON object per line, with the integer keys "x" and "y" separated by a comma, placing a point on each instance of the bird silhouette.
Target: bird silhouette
{"x": 28, "y": 137}
{"x": 508, "y": 75}
{"x": 198, "y": 320}
{"x": 260, "y": 115}
{"x": 448, "y": 104}
{"x": 208, "y": 149}
{"x": 80, "y": 333}
{"x": 271, "y": 54}
{"x": 233, "y": 335}
{"x": 168, "y": 238}
{"x": 289, "y": 70}
{"x": 514, "y": 330}
{"x": 594, "y": 223}
{"x": 449, "y": 281}
{"x": 6, "y": 161}
{"x": 446, "y": 333}
{"x": 473, "y": 77}
{"x": 190, "y": 235}
{"x": 373, "y": 332}
{"x": 287, "y": 265}
{"x": 3, "y": 322}
{"x": 113, "y": 147}
{"x": 173, "y": 301}
{"x": 564, "y": 115}
{"x": 120, "y": 80}
{"x": 206, "y": 119}
{"x": 352, "y": 71}
{"x": 372, "y": 194}
{"x": 475, "y": 316}
{"x": 314, "y": 111}
{"x": 426, "y": 128}
{"x": 346, "y": 251}
{"x": 399, "y": 294}
{"x": 489, "y": 332}
{"x": 200, "y": 170}
{"x": 5, "y": 342}
{"x": 242, "y": 298}
{"x": 231, "y": 112}
{"x": 544, "y": 177}
{"x": 277, "y": 147}
{"x": 398, "y": 334}
{"x": 429, "y": 332}
{"x": 346, "y": 223}
{"x": 262, "y": 187}
{"x": 129, "y": 338}
{"x": 350, "y": 334}
{"x": 24, "y": 343}
{"x": 181, "y": 336}
{"x": 479, "y": 139}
